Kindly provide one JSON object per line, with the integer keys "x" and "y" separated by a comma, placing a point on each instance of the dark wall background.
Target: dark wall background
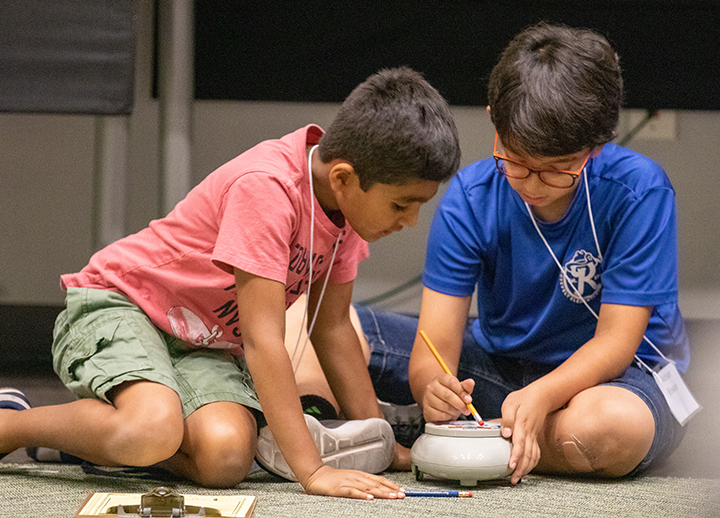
{"x": 66, "y": 56}
{"x": 319, "y": 50}
{"x": 26, "y": 334}
{"x": 76, "y": 56}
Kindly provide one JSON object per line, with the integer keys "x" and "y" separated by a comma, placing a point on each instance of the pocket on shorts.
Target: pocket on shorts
{"x": 106, "y": 353}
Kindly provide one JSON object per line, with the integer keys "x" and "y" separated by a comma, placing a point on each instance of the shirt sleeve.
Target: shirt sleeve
{"x": 453, "y": 258}
{"x": 641, "y": 259}
{"x": 256, "y": 223}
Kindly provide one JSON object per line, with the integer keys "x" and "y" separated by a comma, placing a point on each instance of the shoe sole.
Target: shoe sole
{"x": 406, "y": 421}
{"x": 365, "y": 445}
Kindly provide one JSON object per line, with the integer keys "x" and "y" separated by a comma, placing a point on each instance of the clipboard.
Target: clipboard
{"x": 164, "y": 502}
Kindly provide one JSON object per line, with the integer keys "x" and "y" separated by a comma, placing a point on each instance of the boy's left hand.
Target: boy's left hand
{"x": 523, "y": 417}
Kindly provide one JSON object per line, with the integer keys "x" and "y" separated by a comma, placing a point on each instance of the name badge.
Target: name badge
{"x": 681, "y": 402}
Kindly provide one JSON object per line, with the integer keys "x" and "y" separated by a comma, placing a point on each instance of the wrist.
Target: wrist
{"x": 307, "y": 481}
{"x": 419, "y": 387}
{"x": 545, "y": 396}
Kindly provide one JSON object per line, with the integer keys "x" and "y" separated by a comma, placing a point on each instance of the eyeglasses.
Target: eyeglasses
{"x": 560, "y": 179}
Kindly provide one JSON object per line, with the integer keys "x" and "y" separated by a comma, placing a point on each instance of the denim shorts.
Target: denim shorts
{"x": 102, "y": 340}
{"x": 391, "y": 336}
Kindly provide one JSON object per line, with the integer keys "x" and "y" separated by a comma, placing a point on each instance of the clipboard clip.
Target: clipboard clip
{"x": 162, "y": 502}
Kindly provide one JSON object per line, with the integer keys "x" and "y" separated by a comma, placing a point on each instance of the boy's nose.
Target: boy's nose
{"x": 534, "y": 181}
{"x": 410, "y": 218}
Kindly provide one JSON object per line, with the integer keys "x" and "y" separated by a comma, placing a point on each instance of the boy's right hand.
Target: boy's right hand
{"x": 446, "y": 397}
{"x": 347, "y": 483}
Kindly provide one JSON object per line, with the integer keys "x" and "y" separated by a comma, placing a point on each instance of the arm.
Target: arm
{"x": 618, "y": 335}
{"x": 441, "y": 396}
{"x": 261, "y": 313}
{"x": 340, "y": 354}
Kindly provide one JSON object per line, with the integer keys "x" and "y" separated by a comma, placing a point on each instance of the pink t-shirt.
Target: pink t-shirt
{"x": 253, "y": 213}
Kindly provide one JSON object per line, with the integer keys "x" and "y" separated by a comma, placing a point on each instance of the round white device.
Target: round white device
{"x": 461, "y": 450}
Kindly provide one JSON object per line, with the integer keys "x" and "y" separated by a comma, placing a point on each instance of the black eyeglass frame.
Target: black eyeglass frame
{"x": 574, "y": 174}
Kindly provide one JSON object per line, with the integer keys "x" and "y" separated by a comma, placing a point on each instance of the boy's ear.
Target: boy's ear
{"x": 342, "y": 175}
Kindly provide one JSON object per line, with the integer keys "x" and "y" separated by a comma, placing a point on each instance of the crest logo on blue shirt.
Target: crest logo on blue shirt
{"x": 583, "y": 271}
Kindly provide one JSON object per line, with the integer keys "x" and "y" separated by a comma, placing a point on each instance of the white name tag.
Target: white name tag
{"x": 681, "y": 402}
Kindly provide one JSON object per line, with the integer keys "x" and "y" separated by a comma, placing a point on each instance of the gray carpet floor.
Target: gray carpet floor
{"x": 58, "y": 491}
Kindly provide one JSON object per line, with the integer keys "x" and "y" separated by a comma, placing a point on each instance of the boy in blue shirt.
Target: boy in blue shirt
{"x": 570, "y": 242}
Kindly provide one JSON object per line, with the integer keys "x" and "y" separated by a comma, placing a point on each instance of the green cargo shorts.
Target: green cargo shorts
{"x": 101, "y": 340}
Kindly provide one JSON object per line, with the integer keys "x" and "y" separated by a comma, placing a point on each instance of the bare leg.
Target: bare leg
{"x": 309, "y": 375}
{"x": 604, "y": 431}
{"x": 142, "y": 427}
{"x": 218, "y": 446}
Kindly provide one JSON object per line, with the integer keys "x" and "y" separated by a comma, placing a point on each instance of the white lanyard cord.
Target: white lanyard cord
{"x": 592, "y": 220}
{"x": 569, "y": 281}
{"x": 327, "y": 276}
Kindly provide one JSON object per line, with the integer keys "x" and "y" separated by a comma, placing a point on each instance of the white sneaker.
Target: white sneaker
{"x": 365, "y": 445}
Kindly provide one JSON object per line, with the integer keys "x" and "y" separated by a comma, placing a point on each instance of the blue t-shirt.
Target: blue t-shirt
{"x": 482, "y": 235}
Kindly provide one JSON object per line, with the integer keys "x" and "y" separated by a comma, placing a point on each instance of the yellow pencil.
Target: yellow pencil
{"x": 445, "y": 368}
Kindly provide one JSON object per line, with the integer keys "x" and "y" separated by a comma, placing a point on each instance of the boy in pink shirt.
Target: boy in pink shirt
{"x": 173, "y": 338}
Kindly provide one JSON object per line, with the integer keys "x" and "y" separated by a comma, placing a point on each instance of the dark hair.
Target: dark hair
{"x": 555, "y": 91}
{"x": 394, "y": 128}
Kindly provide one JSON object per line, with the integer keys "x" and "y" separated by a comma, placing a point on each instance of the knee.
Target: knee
{"x": 144, "y": 440}
{"x": 610, "y": 441}
{"x": 225, "y": 457}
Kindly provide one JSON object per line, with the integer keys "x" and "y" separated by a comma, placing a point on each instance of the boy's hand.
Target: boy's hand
{"x": 523, "y": 416}
{"x": 446, "y": 397}
{"x": 346, "y": 483}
